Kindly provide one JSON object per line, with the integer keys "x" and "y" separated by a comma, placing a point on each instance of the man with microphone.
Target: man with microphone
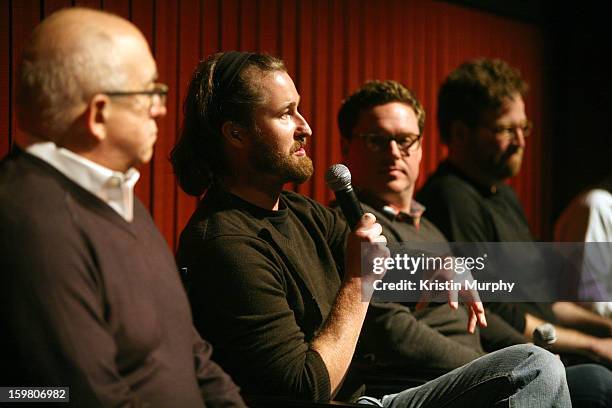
{"x": 283, "y": 272}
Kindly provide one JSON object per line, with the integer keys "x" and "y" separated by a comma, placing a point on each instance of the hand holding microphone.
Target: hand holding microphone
{"x": 363, "y": 226}
{"x": 545, "y": 336}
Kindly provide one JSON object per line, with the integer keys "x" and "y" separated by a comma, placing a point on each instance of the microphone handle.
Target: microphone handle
{"x": 351, "y": 208}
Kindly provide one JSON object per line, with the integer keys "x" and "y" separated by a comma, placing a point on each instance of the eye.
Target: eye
{"x": 403, "y": 142}
{"x": 285, "y": 115}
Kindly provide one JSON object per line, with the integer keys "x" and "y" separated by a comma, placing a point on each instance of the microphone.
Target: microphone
{"x": 545, "y": 336}
{"x": 338, "y": 178}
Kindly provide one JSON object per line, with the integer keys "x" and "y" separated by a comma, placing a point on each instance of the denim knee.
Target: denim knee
{"x": 541, "y": 366}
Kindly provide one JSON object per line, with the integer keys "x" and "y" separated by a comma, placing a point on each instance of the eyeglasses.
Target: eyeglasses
{"x": 510, "y": 133}
{"x": 376, "y": 142}
{"x": 157, "y": 95}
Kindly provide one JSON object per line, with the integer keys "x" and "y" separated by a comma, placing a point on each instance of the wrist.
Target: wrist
{"x": 595, "y": 346}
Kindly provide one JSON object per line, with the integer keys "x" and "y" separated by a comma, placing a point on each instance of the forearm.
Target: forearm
{"x": 337, "y": 340}
{"x": 568, "y": 340}
{"x": 432, "y": 341}
{"x": 572, "y": 315}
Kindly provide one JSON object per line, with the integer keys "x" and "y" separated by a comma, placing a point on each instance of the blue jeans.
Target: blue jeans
{"x": 590, "y": 386}
{"x": 519, "y": 376}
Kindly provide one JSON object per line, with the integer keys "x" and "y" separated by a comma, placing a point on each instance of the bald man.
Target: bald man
{"x": 90, "y": 297}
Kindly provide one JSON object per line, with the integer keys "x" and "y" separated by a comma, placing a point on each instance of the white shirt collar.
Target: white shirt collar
{"x": 114, "y": 188}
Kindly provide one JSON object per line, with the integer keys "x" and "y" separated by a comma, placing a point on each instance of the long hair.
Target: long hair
{"x": 198, "y": 155}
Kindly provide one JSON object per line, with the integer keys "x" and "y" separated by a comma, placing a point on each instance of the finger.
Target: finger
{"x": 381, "y": 239}
{"x": 475, "y": 296}
{"x": 423, "y": 300}
{"x": 452, "y": 299}
{"x": 370, "y": 232}
{"x": 373, "y": 231}
{"x": 365, "y": 221}
{"x": 479, "y": 311}
{"x": 472, "y": 321}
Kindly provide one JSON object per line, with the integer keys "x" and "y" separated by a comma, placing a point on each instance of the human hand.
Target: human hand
{"x": 470, "y": 296}
{"x": 367, "y": 230}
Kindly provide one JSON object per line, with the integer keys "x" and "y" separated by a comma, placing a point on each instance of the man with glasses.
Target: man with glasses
{"x": 90, "y": 297}
{"x": 381, "y": 126}
{"x": 482, "y": 120}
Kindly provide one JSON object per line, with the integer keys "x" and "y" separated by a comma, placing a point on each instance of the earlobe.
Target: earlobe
{"x": 458, "y": 132}
{"x": 232, "y": 133}
{"x": 97, "y": 116}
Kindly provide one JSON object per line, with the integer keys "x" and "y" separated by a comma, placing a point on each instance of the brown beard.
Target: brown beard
{"x": 509, "y": 164}
{"x": 289, "y": 168}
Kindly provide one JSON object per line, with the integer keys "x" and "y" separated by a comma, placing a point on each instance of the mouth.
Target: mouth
{"x": 391, "y": 170}
{"x": 298, "y": 149}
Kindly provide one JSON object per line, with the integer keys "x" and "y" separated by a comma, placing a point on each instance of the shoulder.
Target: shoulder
{"x": 40, "y": 240}
{"x": 449, "y": 194}
{"x": 313, "y": 214}
{"x": 27, "y": 181}
{"x": 446, "y": 188}
{"x": 33, "y": 197}
{"x": 220, "y": 233}
{"x": 216, "y": 217}
{"x": 597, "y": 199}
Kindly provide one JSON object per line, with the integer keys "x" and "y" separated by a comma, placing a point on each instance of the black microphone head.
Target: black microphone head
{"x": 338, "y": 177}
{"x": 544, "y": 335}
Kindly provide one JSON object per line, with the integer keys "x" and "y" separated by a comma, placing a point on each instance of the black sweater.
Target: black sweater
{"x": 271, "y": 278}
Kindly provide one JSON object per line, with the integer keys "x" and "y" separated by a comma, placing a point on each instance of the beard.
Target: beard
{"x": 509, "y": 164}
{"x": 268, "y": 159}
{"x": 494, "y": 163}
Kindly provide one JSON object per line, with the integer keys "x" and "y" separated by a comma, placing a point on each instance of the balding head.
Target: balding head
{"x": 70, "y": 56}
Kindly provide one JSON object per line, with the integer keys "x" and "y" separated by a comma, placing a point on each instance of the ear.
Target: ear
{"x": 344, "y": 146}
{"x": 459, "y": 132}
{"x": 233, "y": 134}
{"x": 96, "y": 116}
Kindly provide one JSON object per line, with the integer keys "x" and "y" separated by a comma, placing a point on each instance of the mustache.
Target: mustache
{"x": 511, "y": 150}
{"x": 298, "y": 144}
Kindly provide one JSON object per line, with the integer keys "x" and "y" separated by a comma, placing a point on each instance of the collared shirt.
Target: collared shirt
{"x": 399, "y": 226}
{"x": 412, "y": 217}
{"x": 113, "y": 187}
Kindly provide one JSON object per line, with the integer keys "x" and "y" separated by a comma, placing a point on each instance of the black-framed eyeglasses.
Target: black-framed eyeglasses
{"x": 157, "y": 95}
{"x": 406, "y": 143}
{"x": 510, "y": 133}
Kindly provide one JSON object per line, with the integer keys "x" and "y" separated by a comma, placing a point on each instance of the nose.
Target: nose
{"x": 302, "y": 128}
{"x": 158, "y": 110}
{"x": 394, "y": 149}
{"x": 519, "y": 138}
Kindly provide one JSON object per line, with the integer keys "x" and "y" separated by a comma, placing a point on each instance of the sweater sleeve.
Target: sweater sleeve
{"x": 240, "y": 303}
{"x": 393, "y": 334}
{"x": 218, "y": 390}
{"x": 503, "y": 331}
